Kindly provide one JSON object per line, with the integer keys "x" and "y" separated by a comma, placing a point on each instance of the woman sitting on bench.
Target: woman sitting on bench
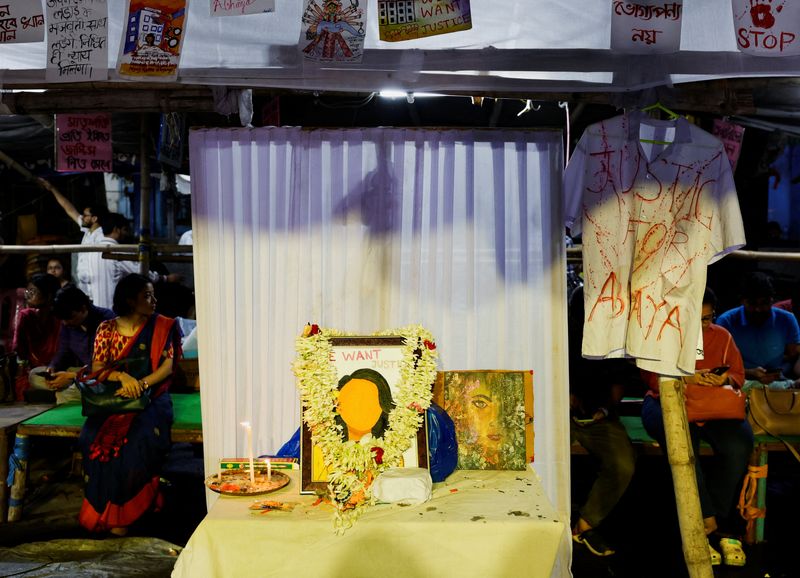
{"x": 731, "y": 440}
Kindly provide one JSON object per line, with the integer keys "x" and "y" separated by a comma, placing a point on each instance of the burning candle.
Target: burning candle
{"x": 249, "y": 430}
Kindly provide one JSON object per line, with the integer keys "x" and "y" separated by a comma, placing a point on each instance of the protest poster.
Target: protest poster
{"x": 646, "y": 26}
{"x": 151, "y": 44}
{"x": 410, "y": 19}
{"x": 241, "y": 7}
{"x": 83, "y": 142}
{"x": 767, "y": 28}
{"x": 77, "y": 40}
{"x": 21, "y": 21}
{"x": 333, "y": 30}
{"x": 731, "y": 136}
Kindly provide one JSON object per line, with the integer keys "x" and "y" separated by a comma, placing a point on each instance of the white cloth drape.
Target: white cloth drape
{"x": 365, "y": 230}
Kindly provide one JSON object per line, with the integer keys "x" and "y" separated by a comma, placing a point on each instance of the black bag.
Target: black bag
{"x": 98, "y": 396}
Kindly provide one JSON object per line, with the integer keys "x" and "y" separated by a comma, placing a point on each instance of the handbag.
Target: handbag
{"x": 98, "y": 394}
{"x": 774, "y": 412}
{"x": 705, "y": 403}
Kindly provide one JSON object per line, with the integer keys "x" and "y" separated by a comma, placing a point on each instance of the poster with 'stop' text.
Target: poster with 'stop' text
{"x": 152, "y": 39}
{"x": 767, "y": 27}
{"x": 77, "y": 40}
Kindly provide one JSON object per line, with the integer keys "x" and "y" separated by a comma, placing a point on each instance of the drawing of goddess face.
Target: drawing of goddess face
{"x": 488, "y": 410}
{"x": 483, "y": 411}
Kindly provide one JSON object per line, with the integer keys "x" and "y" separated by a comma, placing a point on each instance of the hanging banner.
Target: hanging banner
{"x": 77, "y": 40}
{"x": 731, "y": 136}
{"x": 171, "y": 139}
{"x": 767, "y": 27}
{"x": 83, "y": 142}
{"x": 21, "y": 21}
{"x": 240, "y": 7}
{"x": 333, "y": 30}
{"x": 152, "y": 42}
{"x": 410, "y": 19}
{"x": 646, "y": 26}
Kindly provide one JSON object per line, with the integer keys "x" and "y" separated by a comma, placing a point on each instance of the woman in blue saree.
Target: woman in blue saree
{"x": 123, "y": 452}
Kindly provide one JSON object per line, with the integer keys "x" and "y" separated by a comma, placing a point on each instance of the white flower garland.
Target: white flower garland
{"x": 354, "y": 465}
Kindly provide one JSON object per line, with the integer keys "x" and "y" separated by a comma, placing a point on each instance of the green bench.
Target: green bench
{"x": 762, "y": 446}
{"x": 66, "y": 421}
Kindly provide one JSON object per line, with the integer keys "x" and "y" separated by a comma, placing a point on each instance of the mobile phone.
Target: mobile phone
{"x": 720, "y": 370}
{"x": 772, "y": 370}
{"x": 45, "y": 375}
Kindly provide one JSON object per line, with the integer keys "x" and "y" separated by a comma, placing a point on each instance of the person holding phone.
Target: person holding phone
{"x": 768, "y": 338}
{"x": 731, "y": 440}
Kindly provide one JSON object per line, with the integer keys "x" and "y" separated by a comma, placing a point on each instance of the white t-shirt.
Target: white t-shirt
{"x": 109, "y": 272}
{"x": 653, "y": 216}
{"x": 86, "y": 271}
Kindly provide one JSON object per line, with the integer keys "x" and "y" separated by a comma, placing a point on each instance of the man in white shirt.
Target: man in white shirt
{"x": 110, "y": 271}
{"x": 89, "y": 222}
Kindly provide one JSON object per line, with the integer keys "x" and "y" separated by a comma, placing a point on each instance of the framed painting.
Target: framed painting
{"x": 368, "y": 370}
{"x": 493, "y": 416}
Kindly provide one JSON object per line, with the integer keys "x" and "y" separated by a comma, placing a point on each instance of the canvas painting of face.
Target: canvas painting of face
{"x": 491, "y": 411}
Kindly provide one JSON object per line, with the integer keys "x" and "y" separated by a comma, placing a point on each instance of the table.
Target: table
{"x": 10, "y": 416}
{"x": 66, "y": 421}
{"x": 478, "y": 523}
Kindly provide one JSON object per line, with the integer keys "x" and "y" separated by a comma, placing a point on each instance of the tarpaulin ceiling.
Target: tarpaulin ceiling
{"x": 514, "y": 46}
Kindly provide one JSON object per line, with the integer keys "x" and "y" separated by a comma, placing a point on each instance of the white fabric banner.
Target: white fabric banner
{"x": 767, "y": 27}
{"x": 77, "y": 41}
{"x": 646, "y": 26}
{"x": 369, "y": 229}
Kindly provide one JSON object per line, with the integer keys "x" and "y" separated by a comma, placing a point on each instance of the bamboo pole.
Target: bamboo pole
{"x": 681, "y": 461}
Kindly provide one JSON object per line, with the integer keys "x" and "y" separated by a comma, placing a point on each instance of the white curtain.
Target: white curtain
{"x": 370, "y": 229}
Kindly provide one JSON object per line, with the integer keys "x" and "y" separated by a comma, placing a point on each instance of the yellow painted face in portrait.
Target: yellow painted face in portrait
{"x": 359, "y": 407}
{"x": 483, "y": 410}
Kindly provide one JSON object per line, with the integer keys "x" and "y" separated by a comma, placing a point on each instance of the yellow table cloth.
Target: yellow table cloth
{"x": 477, "y": 523}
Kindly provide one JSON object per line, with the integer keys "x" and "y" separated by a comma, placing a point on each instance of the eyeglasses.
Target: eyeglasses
{"x": 709, "y": 318}
{"x": 31, "y": 292}
{"x": 88, "y": 215}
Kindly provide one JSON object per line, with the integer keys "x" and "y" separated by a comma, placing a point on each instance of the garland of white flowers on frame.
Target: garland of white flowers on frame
{"x": 353, "y": 466}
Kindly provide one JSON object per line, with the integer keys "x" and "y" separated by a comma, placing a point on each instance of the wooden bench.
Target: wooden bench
{"x": 66, "y": 421}
{"x": 763, "y": 444}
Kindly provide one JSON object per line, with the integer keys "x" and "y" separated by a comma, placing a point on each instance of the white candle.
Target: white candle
{"x": 269, "y": 469}
{"x": 249, "y": 430}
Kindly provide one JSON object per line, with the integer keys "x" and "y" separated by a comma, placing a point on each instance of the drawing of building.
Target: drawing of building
{"x": 395, "y": 12}
{"x": 141, "y": 23}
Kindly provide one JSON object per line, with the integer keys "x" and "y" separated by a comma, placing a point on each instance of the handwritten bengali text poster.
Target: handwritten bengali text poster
{"x": 767, "y": 27}
{"x": 21, "y": 21}
{"x": 77, "y": 40}
{"x": 83, "y": 142}
{"x": 731, "y": 136}
{"x": 410, "y": 19}
{"x": 241, "y": 7}
{"x": 152, "y": 39}
{"x": 646, "y": 26}
{"x": 333, "y": 30}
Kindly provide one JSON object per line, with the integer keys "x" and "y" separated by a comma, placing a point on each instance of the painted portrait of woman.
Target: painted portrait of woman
{"x": 488, "y": 410}
{"x": 365, "y": 400}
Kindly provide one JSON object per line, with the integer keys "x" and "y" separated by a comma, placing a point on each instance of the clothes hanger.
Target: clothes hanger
{"x": 671, "y": 115}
